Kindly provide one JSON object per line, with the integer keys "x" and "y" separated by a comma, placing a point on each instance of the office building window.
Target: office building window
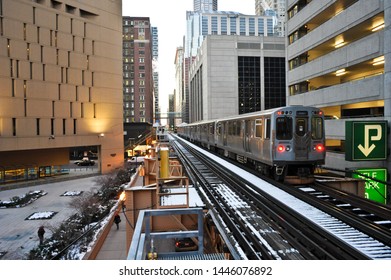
{"x": 204, "y": 25}
{"x": 214, "y": 25}
{"x": 251, "y": 26}
{"x": 74, "y": 126}
{"x": 38, "y": 129}
{"x": 14, "y": 126}
{"x": 275, "y": 93}
{"x": 224, "y": 26}
{"x": 52, "y": 126}
{"x": 242, "y": 26}
{"x": 232, "y": 25}
{"x": 249, "y": 83}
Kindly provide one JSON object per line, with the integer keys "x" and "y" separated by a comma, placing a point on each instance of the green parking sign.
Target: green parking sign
{"x": 366, "y": 140}
{"x": 374, "y": 189}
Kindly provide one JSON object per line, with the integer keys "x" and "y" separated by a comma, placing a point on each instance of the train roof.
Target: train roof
{"x": 254, "y": 114}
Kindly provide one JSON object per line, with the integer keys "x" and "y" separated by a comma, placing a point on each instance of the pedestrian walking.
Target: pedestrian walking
{"x": 117, "y": 220}
{"x": 41, "y": 232}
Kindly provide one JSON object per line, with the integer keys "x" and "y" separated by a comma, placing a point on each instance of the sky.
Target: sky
{"x": 168, "y": 14}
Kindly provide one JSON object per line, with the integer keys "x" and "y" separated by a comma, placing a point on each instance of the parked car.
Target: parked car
{"x": 185, "y": 244}
{"x": 84, "y": 162}
{"x": 136, "y": 159}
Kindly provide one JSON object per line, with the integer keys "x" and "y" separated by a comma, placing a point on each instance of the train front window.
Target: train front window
{"x": 317, "y": 128}
{"x": 301, "y": 126}
{"x": 284, "y": 128}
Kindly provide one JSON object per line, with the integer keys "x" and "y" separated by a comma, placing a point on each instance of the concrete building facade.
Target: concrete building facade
{"x": 234, "y": 75}
{"x": 338, "y": 59}
{"x": 60, "y": 84}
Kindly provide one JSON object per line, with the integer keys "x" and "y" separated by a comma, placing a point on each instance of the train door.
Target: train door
{"x": 267, "y": 151}
{"x": 225, "y": 132}
{"x": 302, "y": 138}
{"x": 246, "y": 136}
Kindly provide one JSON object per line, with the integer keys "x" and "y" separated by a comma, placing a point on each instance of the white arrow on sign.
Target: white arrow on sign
{"x": 366, "y": 150}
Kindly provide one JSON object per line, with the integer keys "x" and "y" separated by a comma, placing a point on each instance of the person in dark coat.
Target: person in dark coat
{"x": 41, "y": 232}
{"x": 117, "y": 220}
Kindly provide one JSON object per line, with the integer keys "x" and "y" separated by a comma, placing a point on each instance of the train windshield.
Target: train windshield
{"x": 301, "y": 126}
{"x": 284, "y": 128}
{"x": 317, "y": 128}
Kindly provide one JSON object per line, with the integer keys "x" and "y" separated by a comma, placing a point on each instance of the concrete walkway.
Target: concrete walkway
{"x": 114, "y": 246}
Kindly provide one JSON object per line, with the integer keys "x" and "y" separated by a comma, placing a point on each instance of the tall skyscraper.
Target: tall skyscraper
{"x": 204, "y": 5}
{"x": 155, "y": 72}
{"x": 60, "y": 87}
{"x": 270, "y": 7}
{"x": 137, "y": 70}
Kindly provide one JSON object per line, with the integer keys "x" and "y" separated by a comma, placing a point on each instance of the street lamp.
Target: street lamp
{"x": 122, "y": 199}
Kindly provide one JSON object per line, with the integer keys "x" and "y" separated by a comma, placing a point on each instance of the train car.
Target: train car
{"x": 162, "y": 134}
{"x": 284, "y": 143}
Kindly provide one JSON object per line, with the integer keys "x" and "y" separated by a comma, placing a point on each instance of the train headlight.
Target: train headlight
{"x": 319, "y": 148}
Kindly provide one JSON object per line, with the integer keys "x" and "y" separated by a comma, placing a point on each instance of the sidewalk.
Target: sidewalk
{"x": 114, "y": 246}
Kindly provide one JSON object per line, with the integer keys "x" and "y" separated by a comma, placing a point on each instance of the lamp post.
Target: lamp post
{"x": 142, "y": 172}
{"x": 122, "y": 199}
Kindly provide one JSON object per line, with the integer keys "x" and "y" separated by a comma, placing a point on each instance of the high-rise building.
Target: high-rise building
{"x": 180, "y": 98}
{"x": 155, "y": 73}
{"x": 137, "y": 70}
{"x": 204, "y": 5}
{"x": 60, "y": 87}
{"x": 224, "y": 23}
{"x": 234, "y": 75}
{"x": 270, "y": 7}
{"x": 200, "y": 25}
{"x": 339, "y": 59}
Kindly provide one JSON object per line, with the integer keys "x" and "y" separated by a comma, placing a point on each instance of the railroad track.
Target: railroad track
{"x": 303, "y": 238}
{"x": 371, "y": 218}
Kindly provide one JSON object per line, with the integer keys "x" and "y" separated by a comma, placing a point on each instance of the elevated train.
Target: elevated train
{"x": 283, "y": 143}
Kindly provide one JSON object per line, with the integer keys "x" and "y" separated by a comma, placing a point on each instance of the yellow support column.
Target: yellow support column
{"x": 164, "y": 162}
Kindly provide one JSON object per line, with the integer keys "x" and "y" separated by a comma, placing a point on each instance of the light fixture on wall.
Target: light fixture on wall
{"x": 339, "y": 44}
{"x": 378, "y": 27}
{"x": 340, "y": 72}
{"x": 378, "y": 60}
{"x": 101, "y": 135}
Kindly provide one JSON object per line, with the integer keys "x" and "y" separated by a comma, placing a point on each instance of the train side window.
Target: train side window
{"x": 301, "y": 126}
{"x": 258, "y": 128}
{"x": 267, "y": 128}
{"x": 211, "y": 129}
{"x": 284, "y": 128}
{"x": 317, "y": 128}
